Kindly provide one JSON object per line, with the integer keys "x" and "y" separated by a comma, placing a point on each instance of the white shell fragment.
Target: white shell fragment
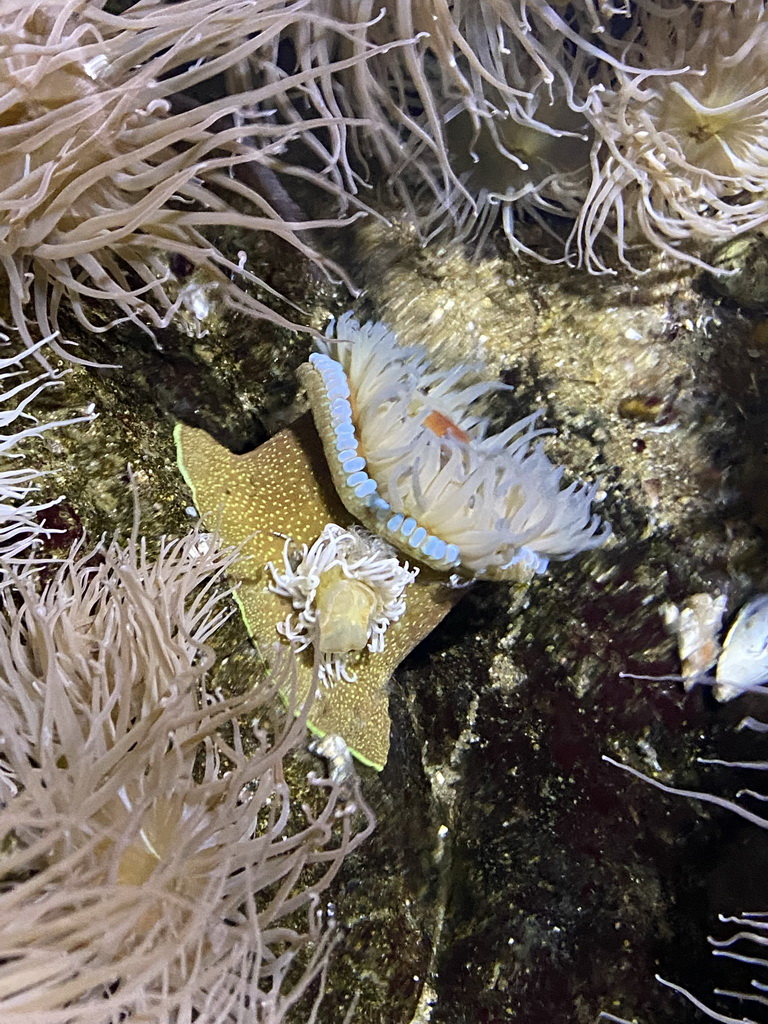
{"x": 334, "y": 750}
{"x": 744, "y": 661}
{"x": 697, "y": 625}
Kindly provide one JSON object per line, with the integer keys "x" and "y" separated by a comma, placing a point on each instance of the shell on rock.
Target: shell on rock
{"x": 744, "y": 661}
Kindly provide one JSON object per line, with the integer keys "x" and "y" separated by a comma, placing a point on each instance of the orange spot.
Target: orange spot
{"x": 443, "y": 427}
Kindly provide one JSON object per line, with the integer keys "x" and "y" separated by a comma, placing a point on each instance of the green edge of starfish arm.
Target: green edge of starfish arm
{"x": 255, "y": 501}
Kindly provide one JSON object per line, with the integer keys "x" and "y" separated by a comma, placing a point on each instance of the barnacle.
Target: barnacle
{"x": 741, "y": 664}
{"x": 412, "y": 458}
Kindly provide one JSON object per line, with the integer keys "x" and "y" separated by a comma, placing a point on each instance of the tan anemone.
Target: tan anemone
{"x": 480, "y": 111}
{"x": 471, "y": 109}
{"x": 682, "y": 147}
{"x": 150, "y": 868}
{"x": 110, "y": 174}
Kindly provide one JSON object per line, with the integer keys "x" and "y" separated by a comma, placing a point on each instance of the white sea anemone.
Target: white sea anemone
{"x": 347, "y": 589}
{"x": 21, "y": 527}
{"x": 411, "y": 456}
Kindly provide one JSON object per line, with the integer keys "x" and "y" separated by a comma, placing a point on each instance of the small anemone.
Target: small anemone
{"x": 347, "y": 589}
{"x": 412, "y": 457}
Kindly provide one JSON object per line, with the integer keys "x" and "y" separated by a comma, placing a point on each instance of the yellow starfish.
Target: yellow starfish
{"x": 284, "y": 490}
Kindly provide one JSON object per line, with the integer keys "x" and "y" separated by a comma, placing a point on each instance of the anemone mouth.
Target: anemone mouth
{"x": 411, "y": 457}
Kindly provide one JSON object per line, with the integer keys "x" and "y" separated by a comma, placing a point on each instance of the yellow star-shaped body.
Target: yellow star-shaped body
{"x": 284, "y": 490}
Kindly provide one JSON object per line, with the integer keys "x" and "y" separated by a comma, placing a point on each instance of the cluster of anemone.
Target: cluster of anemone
{"x": 639, "y": 123}
{"x": 400, "y": 470}
{"x": 111, "y": 173}
{"x": 151, "y": 868}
